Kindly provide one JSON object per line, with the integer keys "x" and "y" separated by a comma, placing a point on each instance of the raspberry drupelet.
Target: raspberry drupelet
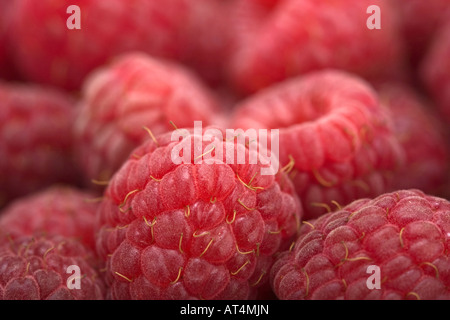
{"x": 123, "y": 99}
{"x": 197, "y": 230}
{"x": 394, "y": 246}
{"x": 40, "y": 268}
{"x": 336, "y": 139}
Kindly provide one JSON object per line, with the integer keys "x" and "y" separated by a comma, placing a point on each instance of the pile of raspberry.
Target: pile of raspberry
{"x": 224, "y": 150}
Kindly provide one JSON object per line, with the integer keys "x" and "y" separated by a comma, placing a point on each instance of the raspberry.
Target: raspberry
{"x": 134, "y": 92}
{"x": 336, "y": 139}
{"x": 404, "y": 233}
{"x": 422, "y": 135}
{"x": 48, "y": 52}
{"x": 37, "y": 268}
{"x": 195, "y": 230}
{"x": 307, "y": 35}
{"x": 435, "y": 70}
{"x": 419, "y": 23}
{"x": 57, "y": 210}
{"x": 36, "y": 134}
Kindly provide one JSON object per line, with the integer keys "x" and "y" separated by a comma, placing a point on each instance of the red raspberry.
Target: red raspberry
{"x": 134, "y": 92}
{"x": 36, "y": 134}
{"x": 57, "y": 210}
{"x": 48, "y": 52}
{"x": 419, "y": 22}
{"x": 435, "y": 70}
{"x": 422, "y": 135}
{"x": 193, "y": 230}
{"x": 336, "y": 139}
{"x": 299, "y": 36}
{"x": 404, "y": 233}
{"x": 37, "y": 268}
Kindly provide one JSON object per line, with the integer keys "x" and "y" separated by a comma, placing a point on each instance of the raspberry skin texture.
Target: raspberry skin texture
{"x": 134, "y": 92}
{"x": 423, "y": 135}
{"x": 36, "y": 134}
{"x": 405, "y": 233}
{"x": 336, "y": 139}
{"x": 53, "y": 54}
{"x": 36, "y": 268}
{"x": 58, "y": 210}
{"x": 194, "y": 230}
{"x": 435, "y": 69}
{"x": 307, "y": 35}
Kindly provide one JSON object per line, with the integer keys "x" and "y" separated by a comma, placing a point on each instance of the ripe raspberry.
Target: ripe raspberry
{"x": 48, "y": 52}
{"x": 405, "y": 233}
{"x": 202, "y": 229}
{"x": 308, "y": 35}
{"x": 133, "y": 92}
{"x": 335, "y": 138}
{"x": 37, "y": 268}
{"x": 57, "y": 210}
{"x": 435, "y": 70}
{"x": 36, "y": 135}
{"x": 422, "y": 135}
